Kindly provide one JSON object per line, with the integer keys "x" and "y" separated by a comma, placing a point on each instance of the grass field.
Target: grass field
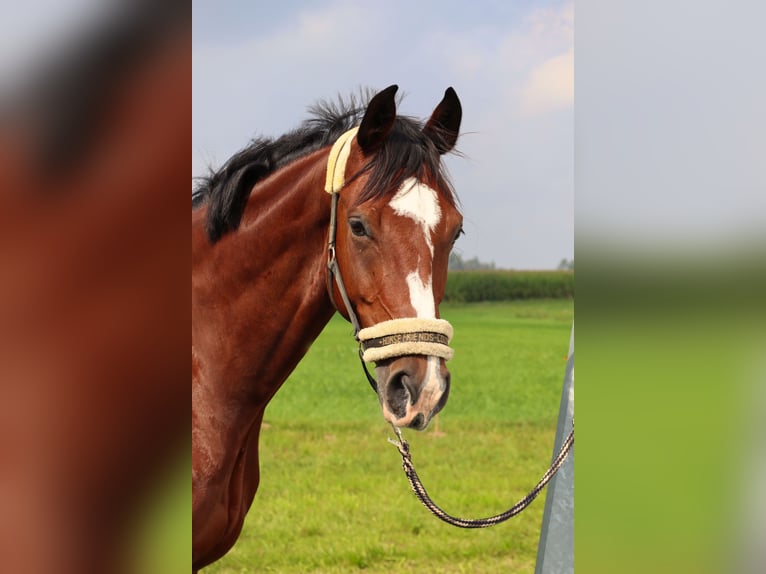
{"x": 333, "y": 497}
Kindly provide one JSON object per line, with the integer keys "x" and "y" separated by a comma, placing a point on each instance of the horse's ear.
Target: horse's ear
{"x": 443, "y": 126}
{"x": 378, "y": 120}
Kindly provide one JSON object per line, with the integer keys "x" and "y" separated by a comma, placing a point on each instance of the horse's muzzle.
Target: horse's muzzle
{"x": 410, "y": 355}
{"x": 412, "y": 389}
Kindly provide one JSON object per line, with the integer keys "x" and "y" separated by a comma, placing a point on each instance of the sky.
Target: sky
{"x": 669, "y": 118}
{"x": 257, "y": 67}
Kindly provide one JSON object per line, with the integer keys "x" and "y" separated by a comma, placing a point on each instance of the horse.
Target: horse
{"x": 351, "y": 212}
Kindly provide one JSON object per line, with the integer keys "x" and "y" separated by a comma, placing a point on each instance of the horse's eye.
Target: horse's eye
{"x": 457, "y": 235}
{"x": 357, "y": 227}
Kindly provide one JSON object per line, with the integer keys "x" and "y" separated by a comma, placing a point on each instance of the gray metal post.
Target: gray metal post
{"x": 555, "y": 553}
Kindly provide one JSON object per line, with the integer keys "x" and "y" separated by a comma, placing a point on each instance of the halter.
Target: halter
{"x": 393, "y": 338}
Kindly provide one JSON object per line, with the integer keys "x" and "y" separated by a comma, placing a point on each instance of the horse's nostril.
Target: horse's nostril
{"x": 404, "y": 383}
{"x": 417, "y": 422}
{"x": 397, "y": 394}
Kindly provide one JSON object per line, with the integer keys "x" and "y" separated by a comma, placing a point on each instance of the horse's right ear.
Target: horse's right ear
{"x": 378, "y": 120}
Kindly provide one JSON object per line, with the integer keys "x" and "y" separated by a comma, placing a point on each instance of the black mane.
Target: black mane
{"x": 407, "y": 152}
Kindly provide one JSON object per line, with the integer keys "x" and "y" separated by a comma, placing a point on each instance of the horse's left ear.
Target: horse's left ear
{"x": 443, "y": 126}
{"x": 377, "y": 120}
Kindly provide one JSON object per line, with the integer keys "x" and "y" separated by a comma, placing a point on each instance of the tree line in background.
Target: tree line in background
{"x": 457, "y": 263}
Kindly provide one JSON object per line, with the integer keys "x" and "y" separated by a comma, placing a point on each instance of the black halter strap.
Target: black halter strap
{"x": 333, "y": 273}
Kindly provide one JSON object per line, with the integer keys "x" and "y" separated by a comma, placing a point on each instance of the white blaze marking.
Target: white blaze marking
{"x": 422, "y": 300}
{"x": 421, "y": 296}
{"x": 433, "y": 375}
{"x": 420, "y": 203}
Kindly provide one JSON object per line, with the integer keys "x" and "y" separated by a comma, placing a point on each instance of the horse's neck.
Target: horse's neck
{"x": 261, "y": 299}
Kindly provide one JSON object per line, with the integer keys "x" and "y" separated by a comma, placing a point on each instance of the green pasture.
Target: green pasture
{"x": 333, "y": 497}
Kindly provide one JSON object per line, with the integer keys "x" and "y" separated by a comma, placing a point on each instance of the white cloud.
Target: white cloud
{"x": 548, "y": 40}
{"x": 550, "y": 86}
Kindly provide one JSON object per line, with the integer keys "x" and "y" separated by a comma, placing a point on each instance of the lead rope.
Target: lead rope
{"x": 420, "y": 490}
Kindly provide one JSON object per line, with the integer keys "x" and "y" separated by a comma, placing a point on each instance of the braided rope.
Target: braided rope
{"x": 420, "y": 490}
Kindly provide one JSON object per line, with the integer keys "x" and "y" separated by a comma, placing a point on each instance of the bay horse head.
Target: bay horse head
{"x": 393, "y": 225}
